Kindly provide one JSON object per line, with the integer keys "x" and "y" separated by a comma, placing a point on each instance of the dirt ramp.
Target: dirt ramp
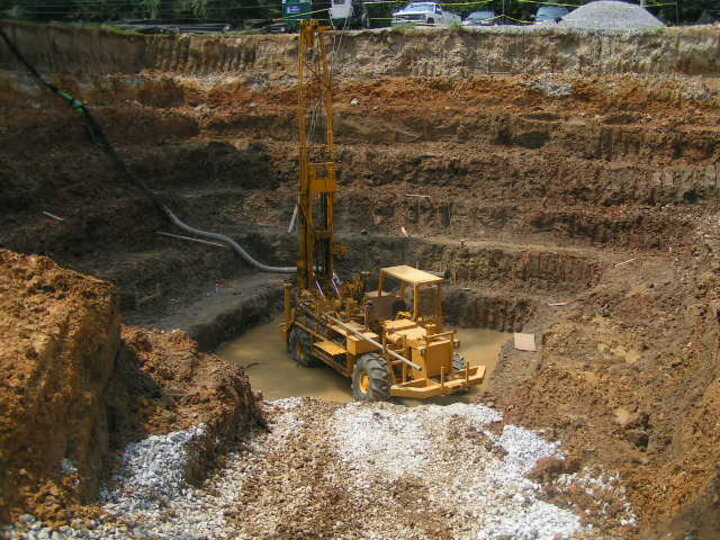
{"x": 76, "y": 385}
{"x": 165, "y": 384}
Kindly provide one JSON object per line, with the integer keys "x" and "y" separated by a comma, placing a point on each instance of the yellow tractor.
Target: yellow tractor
{"x": 390, "y": 341}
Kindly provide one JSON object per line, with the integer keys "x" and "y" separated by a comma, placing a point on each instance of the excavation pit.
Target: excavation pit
{"x": 587, "y": 217}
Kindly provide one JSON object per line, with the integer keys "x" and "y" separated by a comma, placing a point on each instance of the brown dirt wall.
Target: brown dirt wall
{"x": 76, "y": 387}
{"x": 527, "y": 197}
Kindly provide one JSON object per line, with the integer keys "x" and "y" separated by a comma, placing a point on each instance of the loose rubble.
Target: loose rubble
{"x": 551, "y": 87}
{"x": 469, "y": 474}
{"x": 452, "y": 471}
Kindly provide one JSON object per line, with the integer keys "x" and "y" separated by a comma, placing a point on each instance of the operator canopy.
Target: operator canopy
{"x": 412, "y": 275}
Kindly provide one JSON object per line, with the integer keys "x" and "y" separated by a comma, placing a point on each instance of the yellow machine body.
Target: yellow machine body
{"x": 386, "y": 347}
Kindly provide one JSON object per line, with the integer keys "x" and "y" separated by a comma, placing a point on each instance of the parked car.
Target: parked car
{"x": 550, "y": 14}
{"x": 481, "y": 18}
{"x": 349, "y": 14}
{"x": 424, "y": 13}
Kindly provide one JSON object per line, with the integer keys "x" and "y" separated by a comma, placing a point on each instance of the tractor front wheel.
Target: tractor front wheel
{"x": 371, "y": 378}
{"x": 301, "y": 348}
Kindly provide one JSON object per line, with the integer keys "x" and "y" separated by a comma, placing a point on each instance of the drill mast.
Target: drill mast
{"x": 358, "y": 333}
{"x": 317, "y": 185}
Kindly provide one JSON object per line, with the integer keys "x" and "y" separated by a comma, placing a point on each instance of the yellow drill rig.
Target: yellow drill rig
{"x": 390, "y": 341}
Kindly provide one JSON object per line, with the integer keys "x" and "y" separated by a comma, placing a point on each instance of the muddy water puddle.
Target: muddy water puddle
{"x": 262, "y": 352}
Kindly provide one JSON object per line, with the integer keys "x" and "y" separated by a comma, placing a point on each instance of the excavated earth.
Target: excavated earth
{"x": 565, "y": 183}
{"x": 77, "y": 387}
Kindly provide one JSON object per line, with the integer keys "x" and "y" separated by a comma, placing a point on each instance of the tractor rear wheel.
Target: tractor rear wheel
{"x": 371, "y": 378}
{"x": 301, "y": 348}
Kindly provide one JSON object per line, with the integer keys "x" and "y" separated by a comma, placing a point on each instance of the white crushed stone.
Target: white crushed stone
{"x": 485, "y": 490}
{"x": 611, "y": 15}
{"x": 551, "y": 87}
{"x": 67, "y": 466}
{"x": 595, "y": 485}
{"x": 452, "y": 457}
{"x": 152, "y": 472}
{"x": 524, "y": 448}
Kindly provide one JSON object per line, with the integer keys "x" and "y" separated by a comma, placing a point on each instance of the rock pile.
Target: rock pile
{"x": 611, "y": 15}
{"x": 429, "y": 471}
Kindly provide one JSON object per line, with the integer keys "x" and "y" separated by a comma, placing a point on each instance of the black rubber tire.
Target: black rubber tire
{"x": 301, "y": 348}
{"x": 458, "y": 362}
{"x": 375, "y": 368}
{"x": 431, "y": 21}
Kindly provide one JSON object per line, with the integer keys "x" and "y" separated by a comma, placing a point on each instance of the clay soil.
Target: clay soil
{"x": 77, "y": 387}
{"x": 595, "y": 192}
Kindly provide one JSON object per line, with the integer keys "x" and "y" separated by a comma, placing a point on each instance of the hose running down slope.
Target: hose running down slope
{"x": 232, "y": 243}
{"x": 98, "y": 137}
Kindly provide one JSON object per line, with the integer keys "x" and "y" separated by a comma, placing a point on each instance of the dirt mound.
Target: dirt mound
{"x": 167, "y": 385}
{"x": 73, "y": 388}
{"x": 60, "y": 332}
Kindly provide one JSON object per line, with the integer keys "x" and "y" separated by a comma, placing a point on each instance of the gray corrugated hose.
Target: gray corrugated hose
{"x": 233, "y": 244}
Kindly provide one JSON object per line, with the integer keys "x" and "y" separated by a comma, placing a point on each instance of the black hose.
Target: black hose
{"x": 97, "y": 135}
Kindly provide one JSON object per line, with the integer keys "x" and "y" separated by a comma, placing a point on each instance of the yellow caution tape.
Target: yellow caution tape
{"x": 548, "y": 3}
{"x": 521, "y": 21}
{"x": 450, "y": 4}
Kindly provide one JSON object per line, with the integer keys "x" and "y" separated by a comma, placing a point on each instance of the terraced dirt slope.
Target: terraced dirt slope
{"x": 553, "y": 174}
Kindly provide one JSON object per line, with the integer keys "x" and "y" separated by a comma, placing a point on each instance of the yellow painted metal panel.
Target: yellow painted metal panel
{"x": 330, "y": 347}
{"x": 412, "y": 275}
{"x": 438, "y": 356}
{"x": 323, "y": 185}
{"x": 357, "y": 346}
{"x": 426, "y": 388}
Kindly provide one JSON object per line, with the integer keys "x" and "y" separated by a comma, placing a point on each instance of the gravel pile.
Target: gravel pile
{"x": 428, "y": 471}
{"x": 611, "y": 15}
{"x": 152, "y": 473}
{"x": 467, "y": 473}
